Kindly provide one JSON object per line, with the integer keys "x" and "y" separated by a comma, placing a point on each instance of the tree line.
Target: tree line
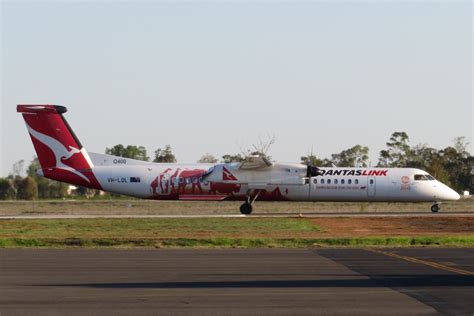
{"x": 452, "y": 165}
{"x": 32, "y": 186}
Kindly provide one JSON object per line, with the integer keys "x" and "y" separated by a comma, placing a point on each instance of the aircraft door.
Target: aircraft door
{"x": 371, "y": 186}
{"x": 314, "y": 193}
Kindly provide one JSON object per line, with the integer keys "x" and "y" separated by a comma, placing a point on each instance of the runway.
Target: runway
{"x": 237, "y": 281}
{"x": 256, "y": 215}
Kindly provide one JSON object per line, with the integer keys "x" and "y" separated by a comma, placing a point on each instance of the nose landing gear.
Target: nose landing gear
{"x": 435, "y": 208}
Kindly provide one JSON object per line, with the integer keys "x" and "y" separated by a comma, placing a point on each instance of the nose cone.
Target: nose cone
{"x": 445, "y": 193}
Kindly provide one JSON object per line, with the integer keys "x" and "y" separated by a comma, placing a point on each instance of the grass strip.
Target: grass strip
{"x": 458, "y": 241}
{"x": 155, "y": 228}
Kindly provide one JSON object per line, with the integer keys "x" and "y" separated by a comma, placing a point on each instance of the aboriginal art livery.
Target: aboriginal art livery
{"x": 63, "y": 158}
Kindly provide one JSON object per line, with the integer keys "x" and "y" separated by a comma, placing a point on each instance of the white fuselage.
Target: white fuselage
{"x": 282, "y": 181}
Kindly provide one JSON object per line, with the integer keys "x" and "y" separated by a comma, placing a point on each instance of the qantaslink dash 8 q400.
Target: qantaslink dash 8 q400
{"x": 63, "y": 158}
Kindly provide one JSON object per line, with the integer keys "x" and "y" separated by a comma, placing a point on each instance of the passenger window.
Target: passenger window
{"x": 342, "y": 181}
{"x": 349, "y": 181}
{"x": 322, "y": 181}
{"x": 356, "y": 181}
{"x": 329, "y": 181}
{"x": 315, "y": 181}
{"x": 335, "y": 181}
{"x": 371, "y": 181}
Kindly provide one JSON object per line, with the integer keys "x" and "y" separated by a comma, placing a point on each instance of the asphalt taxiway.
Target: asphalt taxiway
{"x": 427, "y": 281}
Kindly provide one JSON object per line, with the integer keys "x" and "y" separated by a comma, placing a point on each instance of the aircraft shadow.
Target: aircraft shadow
{"x": 379, "y": 281}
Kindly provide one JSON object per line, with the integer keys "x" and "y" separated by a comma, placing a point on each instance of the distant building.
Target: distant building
{"x": 71, "y": 189}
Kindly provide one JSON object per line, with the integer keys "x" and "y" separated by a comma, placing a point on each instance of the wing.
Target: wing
{"x": 255, "y": 162}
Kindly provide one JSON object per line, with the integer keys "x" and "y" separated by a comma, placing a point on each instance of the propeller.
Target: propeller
{"x": 312, "y": 171}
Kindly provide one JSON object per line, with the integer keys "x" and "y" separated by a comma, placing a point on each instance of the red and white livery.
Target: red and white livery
{"x": 63, "y": 158}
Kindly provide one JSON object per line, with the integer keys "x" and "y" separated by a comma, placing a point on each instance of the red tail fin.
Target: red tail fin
{"x": 60, "y": 153}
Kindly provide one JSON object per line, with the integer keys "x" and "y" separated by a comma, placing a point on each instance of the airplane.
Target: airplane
{"x": 63, "y": 158}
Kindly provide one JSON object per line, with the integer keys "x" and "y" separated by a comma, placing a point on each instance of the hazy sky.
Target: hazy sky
{"x": 210, "y": 77}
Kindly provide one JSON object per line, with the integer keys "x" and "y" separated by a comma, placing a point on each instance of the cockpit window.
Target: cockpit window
{"x": 423, "y": 177}
{"x": 420, "y": 177}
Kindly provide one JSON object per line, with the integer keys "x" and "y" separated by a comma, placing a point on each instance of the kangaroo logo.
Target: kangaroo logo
{"x": 227, "y": 175}
{"x": 60, "y": 151}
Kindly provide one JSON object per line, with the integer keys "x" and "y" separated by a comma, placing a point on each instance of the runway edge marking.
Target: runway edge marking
{"x": 420, "y": 261}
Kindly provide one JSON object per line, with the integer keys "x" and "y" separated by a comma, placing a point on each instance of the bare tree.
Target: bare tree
{"x": 18, "y": 168}
{"x": 207, "y": 158}
{"x": 261, "y": 148}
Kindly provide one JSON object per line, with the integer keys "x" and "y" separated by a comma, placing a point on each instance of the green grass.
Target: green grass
{"x": 194, "y": 233}
{"x": 462, "y": 241}
{"x": 145, "y": 228}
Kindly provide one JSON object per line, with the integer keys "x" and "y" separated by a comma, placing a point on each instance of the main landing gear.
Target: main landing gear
{"x": 435, "y": 208}
{"x": 247, "y": 207}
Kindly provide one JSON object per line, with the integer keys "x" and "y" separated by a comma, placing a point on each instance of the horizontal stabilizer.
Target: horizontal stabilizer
{"x": 41, "y": 108}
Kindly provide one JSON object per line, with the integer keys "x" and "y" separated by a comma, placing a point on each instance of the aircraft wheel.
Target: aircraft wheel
{"x": 435, "y": 208}
{"x": 246, "y": 208}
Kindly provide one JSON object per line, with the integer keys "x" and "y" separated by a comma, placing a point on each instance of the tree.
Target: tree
{"x": 462, "y": 172}
{"x": 460, "y": 144}
{"x": 311, "y": 160}
{"x": 437, "y": 170}
{"x": 232, "y": 158}
{"x": 32, "y": 167}
{"x": 18, "y": 168}
{"x": 57, "y": 190}
{"x": 207, "y": 158}
{"x": 451, "y": 165}
{"x": 4, "y": 187}
{"x": 6, "y": 190}
{"x": 88, "y": 193}
{"x": 131, "y": 151}
{"x": 15, "y": 182}
{"x": 47, "y": 189}
{"x": 164, "y": 155}
{"x": 352, "y": 157}
{"x": 258, "y": 149}
{"x": 262, "y": 147}
{"x": 421, "y": 157}
{"x": 27, "y": 189}
{"x": 398, "y": 152}
{"x": 458, "y": 165}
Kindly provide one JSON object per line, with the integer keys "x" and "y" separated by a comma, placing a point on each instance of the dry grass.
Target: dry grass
{"x": 147, "y": 207}
{"x": 436, "y": 225}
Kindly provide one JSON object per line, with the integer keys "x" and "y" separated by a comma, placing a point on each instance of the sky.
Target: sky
{"x": 214, "y": 77}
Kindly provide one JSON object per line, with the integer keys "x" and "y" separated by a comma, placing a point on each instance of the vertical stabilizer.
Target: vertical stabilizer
{"x": 60, "y": 153}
